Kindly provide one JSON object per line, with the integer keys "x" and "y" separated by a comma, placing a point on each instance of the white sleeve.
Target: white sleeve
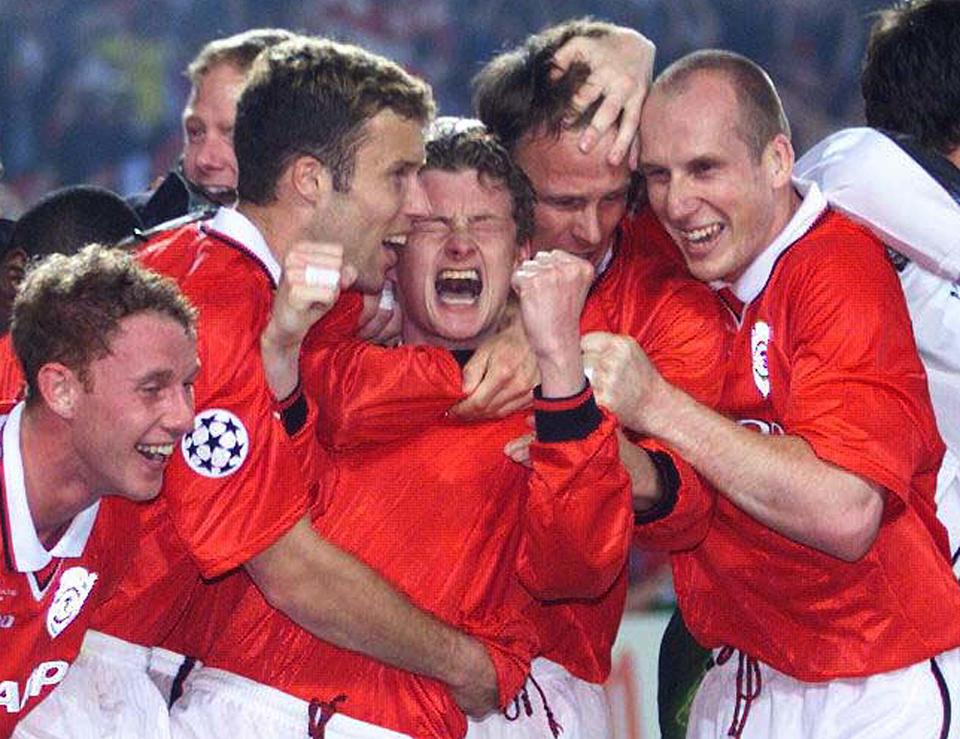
{"x": 871, "y": 179}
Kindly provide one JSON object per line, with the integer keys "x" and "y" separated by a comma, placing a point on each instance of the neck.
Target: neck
{"x": 413, "y": 335}
{"x": 56, "y": 486}
{"x": 275, "y": 223}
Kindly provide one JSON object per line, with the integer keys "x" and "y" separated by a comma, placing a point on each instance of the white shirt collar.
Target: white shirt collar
{"x": 237, "y": 227}
{"x": 29, "y": 554}
{"x": 753, "y": 280}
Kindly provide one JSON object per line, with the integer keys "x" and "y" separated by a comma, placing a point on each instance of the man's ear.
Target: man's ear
{"x": 778, "y": 159}
{"x": 310, "y": 179}
{"x": 60, "y": 388}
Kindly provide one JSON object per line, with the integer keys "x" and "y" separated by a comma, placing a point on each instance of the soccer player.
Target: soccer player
{"x": 442, "y": 486}
{"x": 824, "y": 454}
{"x": 109, "y": 353}
{"x": 641, "y": 289}
{"x": 336, "y": 160}
{"x": 901, "y": 178}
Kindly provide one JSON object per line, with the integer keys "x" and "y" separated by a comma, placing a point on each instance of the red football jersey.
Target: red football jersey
{"x": 398, "y": 462}
{"x": 47, "y": 597}
{"x": 11, "y": 375}
{"x": 645, "y": 293}
{"x": 823, "y": 350}
{"x": 235, "y": 488}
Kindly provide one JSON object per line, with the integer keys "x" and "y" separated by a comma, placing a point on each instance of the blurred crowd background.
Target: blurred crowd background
{"x": 91, "y": 91}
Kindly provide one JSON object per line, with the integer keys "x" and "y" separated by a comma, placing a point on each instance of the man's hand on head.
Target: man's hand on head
{"x": 621, "y": 70}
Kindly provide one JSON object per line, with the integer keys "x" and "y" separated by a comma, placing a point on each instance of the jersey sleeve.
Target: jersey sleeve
{"x": 681, "y": 520}
{"x": 858, "y": 393}
{"x": 236, "y": 487}
{"x": 576, "y": 525}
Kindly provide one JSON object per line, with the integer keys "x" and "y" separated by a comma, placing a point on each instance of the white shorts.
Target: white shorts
{"x": 914, "y": 702}
{"x": 106, "y": 693}
{"x": 220, "y": 703}
{"x": 552, "y": 703}
{"x": 948, "y": 504}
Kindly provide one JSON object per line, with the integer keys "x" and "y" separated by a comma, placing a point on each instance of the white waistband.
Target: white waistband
{"x": 285, "y": 706}
{"x": 110, "y": 648}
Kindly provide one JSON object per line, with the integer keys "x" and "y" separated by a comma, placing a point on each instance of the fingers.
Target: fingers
{"x": 627, "y": 140}
{"x": 519, "y": 449}
{"x": 380, "y": 320}
{"x": 314, "y": 271}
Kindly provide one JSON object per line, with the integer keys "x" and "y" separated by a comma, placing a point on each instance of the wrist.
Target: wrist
{"x": 561, "y": 372}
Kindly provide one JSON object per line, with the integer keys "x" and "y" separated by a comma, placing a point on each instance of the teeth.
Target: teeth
{"x": 458, "y": 274}
{"x": 459, "y": 286}
{"x": 157, "y": 451}
{"x": 697, "y": 235}
{"x": 396, "y": 241}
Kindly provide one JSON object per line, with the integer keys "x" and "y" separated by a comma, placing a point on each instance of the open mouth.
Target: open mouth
{"x": 458, "y": 286}
{"x": 397, "y": 241}
{"x": 156, "y": 452}
{"x": 702, "y": 235}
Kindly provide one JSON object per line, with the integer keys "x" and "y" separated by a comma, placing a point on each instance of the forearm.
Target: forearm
{"x": 341, "y": 600}
{"x": 778, "y": 480}
{"x": 645, "y": 483}
{"x": 280, "y": 364}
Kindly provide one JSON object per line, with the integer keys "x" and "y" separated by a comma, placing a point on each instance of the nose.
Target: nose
{"x": 460, "y": 244}
{"x": 180, "y": 416}
{"x": 214, "y": 155}
{"x": 416, "y": 204}
{"x": 680, "y": 201}
{"x": 587, "y": 225}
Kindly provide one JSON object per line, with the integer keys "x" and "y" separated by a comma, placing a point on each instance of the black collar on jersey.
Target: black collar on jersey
{"x": 934, "y": 163}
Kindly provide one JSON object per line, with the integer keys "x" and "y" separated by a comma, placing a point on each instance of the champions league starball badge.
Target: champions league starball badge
{"x": 75, "y": 585}
{"x": 218, "y": 444}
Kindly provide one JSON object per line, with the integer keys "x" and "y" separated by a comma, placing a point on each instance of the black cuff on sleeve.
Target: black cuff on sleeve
{"x": 669, "y": 480}
{"x": 565, "y": 419}
{"x": 293, "y": 412}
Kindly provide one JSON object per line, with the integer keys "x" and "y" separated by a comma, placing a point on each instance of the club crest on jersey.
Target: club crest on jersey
{"x": 72, "y": 591}
{"x": 759, "y": 339}
{"x": 218, "y": 444}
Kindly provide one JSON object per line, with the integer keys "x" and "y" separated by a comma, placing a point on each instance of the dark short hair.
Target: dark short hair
{"x": 67, "y": 219}
{"x": 911, "y": 72}
{"x": 513, "y": 94}
{"x": 314, "y": 96}
{"x": 69, "y": 308}
{"x": 454, "y": 147}
{"x": 761, "y": 112}
{"x": 238, "y": 51}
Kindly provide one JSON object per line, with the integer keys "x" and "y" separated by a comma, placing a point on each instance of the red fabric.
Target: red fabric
{"x": 844, "y": 375}
{"x": 220, "y": 522}
{"x": 27, "y": 644}
{"x": 11, "y": 375}
{"x": 647, "y": 294}
{"x": 454, "y": 500}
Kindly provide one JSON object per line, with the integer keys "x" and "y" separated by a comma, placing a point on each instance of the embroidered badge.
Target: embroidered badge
{"x": 74, "y": 587}
{"x": 759, "y": 338}
{"x": 218, "y": 444}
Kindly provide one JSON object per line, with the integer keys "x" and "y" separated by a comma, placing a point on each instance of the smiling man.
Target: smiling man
{"x": 823, "y": 522}
{"x": 109, "y": 352}
{"x": 329, "y": 141}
